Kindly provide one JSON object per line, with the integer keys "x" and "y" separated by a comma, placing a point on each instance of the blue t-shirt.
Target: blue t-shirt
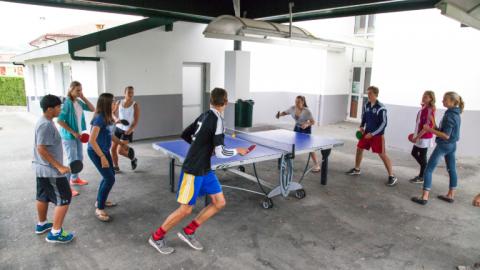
{"x": 104, "y": 138}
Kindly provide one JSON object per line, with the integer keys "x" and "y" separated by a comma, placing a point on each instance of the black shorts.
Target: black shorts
{"x": 120, "y": 133}
{"x": 54, "y": 190}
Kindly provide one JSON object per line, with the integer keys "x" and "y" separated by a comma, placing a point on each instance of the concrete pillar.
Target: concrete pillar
{"x": 237, "y": 81}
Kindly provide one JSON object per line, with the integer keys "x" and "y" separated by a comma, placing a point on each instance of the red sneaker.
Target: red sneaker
{"x": 78, "y": 182}
{"x": 74, "y": 192}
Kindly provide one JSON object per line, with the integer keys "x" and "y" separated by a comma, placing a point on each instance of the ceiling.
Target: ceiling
{"x": 271, "y": 10}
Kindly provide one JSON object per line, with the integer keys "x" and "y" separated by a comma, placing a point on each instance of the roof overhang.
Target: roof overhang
{"x": 71, "y": 46}
{"x": 49, "y": 51}
{"x": 466, "y": 12}
{"x": 203, "y": 11}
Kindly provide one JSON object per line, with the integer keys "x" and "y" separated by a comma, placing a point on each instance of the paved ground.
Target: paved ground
{"x": 353, "y": 223}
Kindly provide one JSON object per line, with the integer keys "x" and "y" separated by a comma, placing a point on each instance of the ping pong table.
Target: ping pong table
{"x": 282, "y": 145}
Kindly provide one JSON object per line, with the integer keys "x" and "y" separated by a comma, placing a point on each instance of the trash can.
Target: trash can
{"x": 238, "y": 114}
{"x": 244, "y": 113}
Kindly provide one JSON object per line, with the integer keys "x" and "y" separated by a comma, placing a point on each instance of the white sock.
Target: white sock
{"x": 55, "y": 232}
{"x": 41, "y": 223}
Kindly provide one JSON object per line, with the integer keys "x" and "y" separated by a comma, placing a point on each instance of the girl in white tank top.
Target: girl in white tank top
{"x": 126, "y": 113}
{"x": 131, "y": 113}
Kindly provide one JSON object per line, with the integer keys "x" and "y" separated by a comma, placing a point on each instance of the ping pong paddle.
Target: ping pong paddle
{"x": 251, "y": 147}
{"x": 124, "y": 122}
{"x": 76, "y": 166}
{"x": 410, "y": 138}
{"x": 131, "y": 153}
{"x": 359, "y": 134}
{"x": 84, "y": 137}
{"x": 278, "y": 114}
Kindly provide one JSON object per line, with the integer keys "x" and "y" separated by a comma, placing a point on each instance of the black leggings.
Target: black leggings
{"x": 420, "y": 155}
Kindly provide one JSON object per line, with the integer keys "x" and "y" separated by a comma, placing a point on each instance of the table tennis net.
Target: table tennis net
{"x": 263, "y": 141}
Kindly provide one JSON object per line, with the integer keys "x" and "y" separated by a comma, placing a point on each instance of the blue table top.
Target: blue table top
{"x": 303, "y": 143}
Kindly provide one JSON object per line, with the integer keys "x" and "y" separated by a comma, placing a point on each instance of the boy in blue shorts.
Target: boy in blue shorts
{"x": 205, "y": 136}
{"x": 52, "y": 185}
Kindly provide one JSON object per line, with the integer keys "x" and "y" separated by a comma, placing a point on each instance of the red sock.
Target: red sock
{"x": 159, "y": 234}
{"x": 190, "y": 229}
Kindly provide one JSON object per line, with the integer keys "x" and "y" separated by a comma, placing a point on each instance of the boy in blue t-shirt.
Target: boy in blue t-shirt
{"x": 52, "y": 185}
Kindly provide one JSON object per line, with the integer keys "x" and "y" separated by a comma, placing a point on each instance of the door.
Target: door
{"x": 193, "y": 89}
{"x": 361, "y": 76}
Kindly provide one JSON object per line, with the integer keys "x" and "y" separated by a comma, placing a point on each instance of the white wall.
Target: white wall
{"x": 86, "y": 73}
{"x": 152, "y": 61}
{"x": 420, "y": 50}
{"x": 423, "y": 50}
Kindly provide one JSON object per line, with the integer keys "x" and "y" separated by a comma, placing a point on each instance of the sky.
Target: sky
{"x": 22, "y": 23}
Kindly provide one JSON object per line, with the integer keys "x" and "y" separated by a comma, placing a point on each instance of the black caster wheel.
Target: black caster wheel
{"x": 300, "y": 194}
{"x": 241, "y": 168}
{"x": 267, "y": 203}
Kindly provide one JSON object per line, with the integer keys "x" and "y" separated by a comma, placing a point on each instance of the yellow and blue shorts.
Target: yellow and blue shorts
{"x": 191, "y": 186}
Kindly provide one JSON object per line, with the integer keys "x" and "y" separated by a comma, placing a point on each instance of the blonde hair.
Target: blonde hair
{"x": 72, "y": 87}
{"x": 457, "y": 100}
{"x": 431, "y": 94}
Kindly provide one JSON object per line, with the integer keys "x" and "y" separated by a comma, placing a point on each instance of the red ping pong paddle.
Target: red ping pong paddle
{"x": 84, "y": 137}
{"x": 250, "y": 149}
{"x": 410, "y": 137}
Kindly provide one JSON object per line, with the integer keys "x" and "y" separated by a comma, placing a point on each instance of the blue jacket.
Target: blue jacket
{"x": 450, "y": 125}
{"x": 374, "y": 118}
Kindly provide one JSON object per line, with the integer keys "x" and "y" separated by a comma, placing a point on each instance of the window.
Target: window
{"x": 366, "y": 81}
{"x": 45, "y": 78}
{"x": 364, "y": 25}
{"x": 66, "y": 76}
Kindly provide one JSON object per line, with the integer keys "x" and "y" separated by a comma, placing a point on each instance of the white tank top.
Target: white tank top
{"x": 127, "y": 114}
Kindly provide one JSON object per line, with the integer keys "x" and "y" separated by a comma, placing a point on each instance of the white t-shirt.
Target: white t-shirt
{"x": 78, "y": 113}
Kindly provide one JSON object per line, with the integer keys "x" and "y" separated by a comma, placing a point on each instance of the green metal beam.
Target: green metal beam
{"x": 104, "y": 36}
{"x": 365, "y": 9}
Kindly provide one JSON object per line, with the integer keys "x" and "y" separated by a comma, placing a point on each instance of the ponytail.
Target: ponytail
{"x": 457, "y": 100}
{"x": 461, "y": 104}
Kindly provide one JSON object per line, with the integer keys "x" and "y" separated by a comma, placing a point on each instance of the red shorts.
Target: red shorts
{"x": 377, "y": 143}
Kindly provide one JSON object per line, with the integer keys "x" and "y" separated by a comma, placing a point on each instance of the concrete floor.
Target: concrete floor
{"x": 352, "y": 223}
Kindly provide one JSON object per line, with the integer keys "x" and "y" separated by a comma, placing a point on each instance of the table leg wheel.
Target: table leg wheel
{"x": 241, "y": 168}
{"x": 267, "y": 203}
{"x": 300, "y": 194}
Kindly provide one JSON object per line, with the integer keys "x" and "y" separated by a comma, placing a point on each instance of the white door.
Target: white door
{"x": 361, "y": 75}
{"x": 193, "y": 87}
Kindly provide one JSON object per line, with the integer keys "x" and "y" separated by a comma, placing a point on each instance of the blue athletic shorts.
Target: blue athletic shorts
{"x": 190, "y": 187}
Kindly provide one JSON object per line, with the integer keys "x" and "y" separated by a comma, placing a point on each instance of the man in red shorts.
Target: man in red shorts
{"x": 374, "y": 122}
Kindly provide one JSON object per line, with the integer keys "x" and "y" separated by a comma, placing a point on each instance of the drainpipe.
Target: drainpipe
{"x": 237, "y": 44}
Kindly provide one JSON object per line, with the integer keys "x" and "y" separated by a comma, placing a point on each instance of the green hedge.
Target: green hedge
{"x": 12, "y": 91}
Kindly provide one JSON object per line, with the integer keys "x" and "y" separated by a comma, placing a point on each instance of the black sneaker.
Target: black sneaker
{"x": 131, "y": 153}
{"x": 392, "y": 181}
{"x": 416, "y": 180}
{"x": 419, "y": 200}
{"x": 134, "y": 163}
{"x": 353, "y": 171}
